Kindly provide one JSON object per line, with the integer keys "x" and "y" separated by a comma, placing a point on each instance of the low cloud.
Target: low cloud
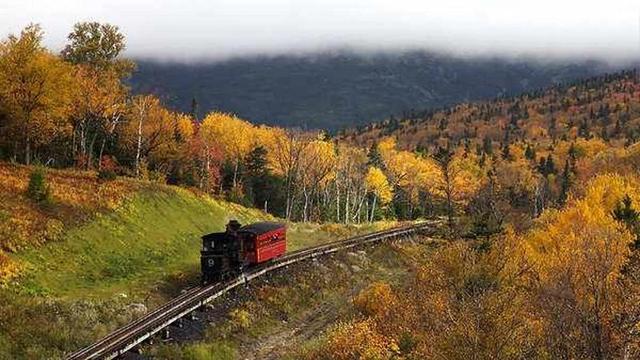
{"x": 212, "y": 30}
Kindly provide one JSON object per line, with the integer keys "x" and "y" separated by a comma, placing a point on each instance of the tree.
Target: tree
{"x": 578, "y": 289}
{"x": 565, "y": 183}
{"x": 258, "y": 176}
{"x": 378, "y": 185}
{"x": 625, "y": 213}
{"x": 350, "y": 188}
{"x": 194, "y": 109}
{"x": 98, "y": 46}
{"x": 233, "y": 135}
{"x": 150, "y": 130}
{"x": 444, "y": 158}
{"x": 38, "y": 189}
{"x": 318, "y": 165}
{"x": 99, "y": 106}
{"x": 288, "y": 149}
{"x": 410, "y": 175}
{"x": 375, "y": 159}
{"x": 94, "y": 49}
{"x": 530, "y": 152}
{"x": 35, "y": 91}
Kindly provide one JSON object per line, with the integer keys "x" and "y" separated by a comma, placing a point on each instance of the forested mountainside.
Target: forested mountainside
{"x": 334, "y": 91}
{"x": 605, "y": 107}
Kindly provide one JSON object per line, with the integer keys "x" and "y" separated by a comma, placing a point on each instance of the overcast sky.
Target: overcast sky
{"x": 218, "y": 29}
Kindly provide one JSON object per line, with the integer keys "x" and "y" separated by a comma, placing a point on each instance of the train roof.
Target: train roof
{"x": 261, "y": 227}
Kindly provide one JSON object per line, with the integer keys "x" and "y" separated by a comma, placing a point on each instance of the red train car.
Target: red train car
{"x": 263, "y": 241}
{"x": 227, "y": 253}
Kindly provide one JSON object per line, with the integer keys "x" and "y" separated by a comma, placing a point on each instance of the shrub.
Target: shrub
{"x": 356, "y": 340}
{"x": 376, "y": 300}
{"x": 240, "y": 319}
{"x": 8, "y": 268}
{"x": 157, "y": 177}
{"x": 38, "y": 189}
{"x": 108, "y": 167}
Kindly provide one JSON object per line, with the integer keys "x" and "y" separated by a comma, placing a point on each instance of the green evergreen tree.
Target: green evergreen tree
{"x": 530, "y": 152}
{"x": 487, "y": 145}
{"x": 565, "y": 183}
{"x": 194, "y": 109}
{"x": 38, "y": 189}
{"x": 550, "y": 166}
{"x": 374, "y": 157}
{"x": 625, "y": 213}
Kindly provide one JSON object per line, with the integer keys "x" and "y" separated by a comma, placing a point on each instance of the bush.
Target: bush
{"x": 376, "y": 300}
{"x": 108, "y": 167}
{"x": 157, "y": 177}
{"x": 38, "y": 189}
{"x": 356, "y": 340}
{"x": 8, "y": 269}
{"x": 240, "y": 319}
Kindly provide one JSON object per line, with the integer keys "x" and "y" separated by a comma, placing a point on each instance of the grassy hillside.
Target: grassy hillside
{"x": 119, "y": 247}
{"x": 152, "y": 236}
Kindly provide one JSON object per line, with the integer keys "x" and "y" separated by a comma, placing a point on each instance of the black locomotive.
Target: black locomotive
{"x": 225, "y": 254}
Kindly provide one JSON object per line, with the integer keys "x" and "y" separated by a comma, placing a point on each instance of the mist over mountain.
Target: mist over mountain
{"x": 343, "y": 89}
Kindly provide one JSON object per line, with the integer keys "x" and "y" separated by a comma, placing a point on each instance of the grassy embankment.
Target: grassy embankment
{"x": 79, "y": 263}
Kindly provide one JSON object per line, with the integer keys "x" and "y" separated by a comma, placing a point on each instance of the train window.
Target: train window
{"x": 208, "y": 245}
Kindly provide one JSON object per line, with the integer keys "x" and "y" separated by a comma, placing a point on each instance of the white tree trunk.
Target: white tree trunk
{"x": 139, "y": 147}
{"x": 373, "y": 208}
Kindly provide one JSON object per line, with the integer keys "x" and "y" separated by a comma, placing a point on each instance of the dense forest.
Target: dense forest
{"x": 74, "y": 110}
{"x": 341, "y": 89}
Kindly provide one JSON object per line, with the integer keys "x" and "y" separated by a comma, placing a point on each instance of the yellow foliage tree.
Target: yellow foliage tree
{"x": 578, "y": 256}
{"x": 233, "y": 135}
{"x": 99, "y": 103}
{"x": 377, "y": 183}
{"x": 318, "y": 165}
{"x": 410, "y": 171}
{"x": 151, "y": 131}
{"x": 35, "y": 88}
{"x": 185, "y": 127}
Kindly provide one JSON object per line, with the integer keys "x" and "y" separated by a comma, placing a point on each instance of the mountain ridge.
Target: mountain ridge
{"x": 333, "y": 91}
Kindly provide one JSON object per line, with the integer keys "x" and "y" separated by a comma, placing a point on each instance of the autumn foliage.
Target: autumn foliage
{"x": 566, "y": 288}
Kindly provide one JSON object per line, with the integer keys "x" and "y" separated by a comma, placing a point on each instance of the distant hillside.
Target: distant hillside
{"x": 334, "y": 91}
{"x": 604, "y": 108}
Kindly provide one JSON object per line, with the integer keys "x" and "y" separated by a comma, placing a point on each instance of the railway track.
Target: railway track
{"x": 136, "y": 332}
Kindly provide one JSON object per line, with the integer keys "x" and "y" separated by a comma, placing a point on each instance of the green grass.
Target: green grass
{"x": 303, "y": 235}
{"x": 154, "y": 237}
{"x": 218, "y": 350}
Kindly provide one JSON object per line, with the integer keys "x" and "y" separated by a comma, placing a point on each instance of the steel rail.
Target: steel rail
{"x": 129, "y": 336}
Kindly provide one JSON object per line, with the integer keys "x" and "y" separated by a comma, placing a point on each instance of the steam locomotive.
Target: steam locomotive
{"x": 226, "y": 254}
